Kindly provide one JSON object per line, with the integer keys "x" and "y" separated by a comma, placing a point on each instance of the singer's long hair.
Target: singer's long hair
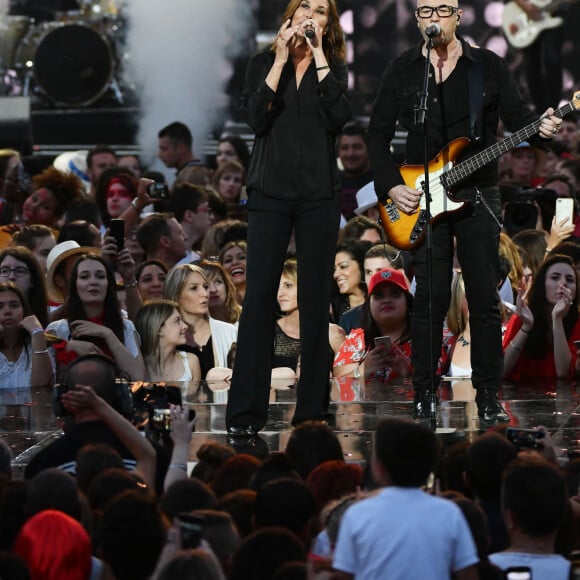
{"x": 333, "y": 41}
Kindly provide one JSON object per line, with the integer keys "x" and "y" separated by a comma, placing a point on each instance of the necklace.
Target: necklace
{"x": 462, "y": 340}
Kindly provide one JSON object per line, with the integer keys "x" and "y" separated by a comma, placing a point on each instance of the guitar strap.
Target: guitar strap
{"x": 475, "y": 73}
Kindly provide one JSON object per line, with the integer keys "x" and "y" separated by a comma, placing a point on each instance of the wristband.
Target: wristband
{"x": 134, "y": 204}
{"x": 131, "y": 284}
{"x": 178, "y": 466}
{"x": 322, "y": 67}
{"x": 36, "y": 330}
{"x": 45, "y": 351}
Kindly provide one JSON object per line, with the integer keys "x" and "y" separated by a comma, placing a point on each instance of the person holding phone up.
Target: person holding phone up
{"x": 539, "y": 340}
{"x": 382, "y": 347}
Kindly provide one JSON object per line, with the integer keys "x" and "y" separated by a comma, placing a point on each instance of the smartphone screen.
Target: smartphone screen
{"x": 117, "y": 230}
{"x": 564, "y": 210}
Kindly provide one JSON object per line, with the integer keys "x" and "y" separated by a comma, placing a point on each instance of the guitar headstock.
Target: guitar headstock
{"x": 575, "y": 102}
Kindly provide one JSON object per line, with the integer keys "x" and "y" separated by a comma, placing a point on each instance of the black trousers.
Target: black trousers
{"x": 477, "y": 234}
{"x": 270, "y": 225}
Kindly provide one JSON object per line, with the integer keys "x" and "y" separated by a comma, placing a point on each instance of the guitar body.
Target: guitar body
{"x": 405, "y": 231}
{"x": 520, "y": 30}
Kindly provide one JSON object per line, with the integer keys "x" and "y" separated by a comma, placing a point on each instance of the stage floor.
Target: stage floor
{"x": 27, "y": 422}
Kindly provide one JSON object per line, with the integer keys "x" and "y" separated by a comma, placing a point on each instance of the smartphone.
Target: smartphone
{"x": 529, "y": 438}
{"x": 158, "y": 191}
{"x": 384, "y": 341}
{"x": 191, "y": 529}
{"x": 117, "y": 230}
{"x": 564, "y": 210}
{"x": 518, "y": 573}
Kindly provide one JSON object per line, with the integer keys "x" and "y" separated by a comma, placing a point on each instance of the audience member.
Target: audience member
{"x": 219, "y": 234}
{"x": 233, "y": 257}
{"x": 188, "y": 203}
{"x": 175, "y": 147}
{"x": 116, "y": 189}
{"x": 240, "y": 505}
{"x": 151, "y": 276}
{"x": 211, "y": 455}
{"x": 229, "y": 180}
{"x": 186, "y": 495}
{"x": 92, "y": 460}
{"x": 534, "y": 503}
{"x": 539, "y": 340}
{"x": 333, "y": 480}
{"x": 162, "y": 331}
{"x": 24, "y": 359}
{"x": 162, "y": 238}
{"x": 99, "y": 158}
{"x": 370, "y": 545}
{"x": 360, "y": 229}
{"x": 570, "y": 132}
{"x": 232, "y": 148}
{"x": 234, "y": 473}
{"x": 53, "y": 489}
{"x": 356, "y": 167}
{"x": 211, "y": 340}
{"x": 85, "y": 233}
{"x": 198, "y": 564}
{"x": 223, "y": 303}
{"x": 38, "y": 239}
{"x": 367, "y": 202}
{"x": 132, "y": 163}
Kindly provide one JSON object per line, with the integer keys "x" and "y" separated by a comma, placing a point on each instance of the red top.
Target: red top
{"x": 538, "y": 368}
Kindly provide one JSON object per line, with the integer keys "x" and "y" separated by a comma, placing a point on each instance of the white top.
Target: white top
{"x": 16, "y": 374}
{"x": 186, "y": 376}
{"x": 62, "y": 330}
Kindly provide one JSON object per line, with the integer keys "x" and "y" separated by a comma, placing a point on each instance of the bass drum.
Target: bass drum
{"x": 71, "y": 62}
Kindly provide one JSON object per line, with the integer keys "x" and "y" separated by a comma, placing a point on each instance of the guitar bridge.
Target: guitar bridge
{"x": 417, "y": 231}
{"x": 392, "y": 211}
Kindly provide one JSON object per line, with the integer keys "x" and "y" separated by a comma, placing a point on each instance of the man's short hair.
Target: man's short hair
{"x": 535, "y": 492}
{"x": 178, "y": 133}
{"x": 407, "y": 450}
{"x": 353, "y": 129}
{"x": 185, "y": 196}
{"x": 98, "y": 149}
{"x": 152, "y": 229}
{"x": 389, "y": 252}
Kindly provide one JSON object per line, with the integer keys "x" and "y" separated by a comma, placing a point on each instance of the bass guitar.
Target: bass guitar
{"x": 520, "y": 30}
{"x": 406, "y": 231}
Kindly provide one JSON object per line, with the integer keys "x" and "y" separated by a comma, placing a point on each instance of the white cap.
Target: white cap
{"x": 74, "y": 162}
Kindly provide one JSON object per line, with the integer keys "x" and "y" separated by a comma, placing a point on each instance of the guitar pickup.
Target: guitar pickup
{"x": 392, "y": 211}
{"x": 419, "y": 227}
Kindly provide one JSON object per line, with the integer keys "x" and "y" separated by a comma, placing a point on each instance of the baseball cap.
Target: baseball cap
{"x": 388, "y": 275}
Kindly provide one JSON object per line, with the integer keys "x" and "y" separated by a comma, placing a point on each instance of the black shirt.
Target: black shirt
{"x": 296, "y": 128}
{"x": 448, "y": 113}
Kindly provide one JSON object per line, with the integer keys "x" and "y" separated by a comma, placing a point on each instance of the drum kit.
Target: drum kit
{"x": 71, "y": 61}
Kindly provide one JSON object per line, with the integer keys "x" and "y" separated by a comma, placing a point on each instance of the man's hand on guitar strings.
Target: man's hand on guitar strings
{"x": 406, "y": 198}
{"x": 550, "y": 124}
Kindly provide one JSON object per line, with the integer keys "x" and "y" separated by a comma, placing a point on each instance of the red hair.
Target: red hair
{"x": 54, "y": 547}
{"x": 333, "y": 480}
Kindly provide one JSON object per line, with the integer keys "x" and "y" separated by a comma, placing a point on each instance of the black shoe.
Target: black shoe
{"x": 422, "y": 404}
{"x": 489, "y": 408}
{"x": 241, "y": 431}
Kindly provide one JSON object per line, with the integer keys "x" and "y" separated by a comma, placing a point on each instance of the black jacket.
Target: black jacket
{"x": 294, "y": 150}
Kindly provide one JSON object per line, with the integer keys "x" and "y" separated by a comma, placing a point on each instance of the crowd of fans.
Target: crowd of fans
{"x": 106, "y": 272}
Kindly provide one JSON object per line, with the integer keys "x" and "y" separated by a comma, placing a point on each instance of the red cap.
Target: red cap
{"x": 388, "y": 275}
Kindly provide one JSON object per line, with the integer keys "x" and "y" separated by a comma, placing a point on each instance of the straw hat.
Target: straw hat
{"x": 56, "y": 256}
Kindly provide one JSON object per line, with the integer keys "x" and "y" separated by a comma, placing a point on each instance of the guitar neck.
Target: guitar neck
{"x": 551, "y": 6}
{"x": 464, "y": 169}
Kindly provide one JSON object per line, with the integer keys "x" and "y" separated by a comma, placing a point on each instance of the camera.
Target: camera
{"x": 522, "y": 207}
{"x": 158, "y": 191}
{"x": 525, "y": 438}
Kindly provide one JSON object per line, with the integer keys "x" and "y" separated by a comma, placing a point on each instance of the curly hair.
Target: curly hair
{"x": 64, "y": 186}
{"x": 333, "y": 43}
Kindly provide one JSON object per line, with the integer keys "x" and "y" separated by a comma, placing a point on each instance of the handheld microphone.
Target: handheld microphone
{"x": 432, "y": 30}
{"x": 309, "y": 33}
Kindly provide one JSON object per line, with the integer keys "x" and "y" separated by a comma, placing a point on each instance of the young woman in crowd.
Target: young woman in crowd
{"x": 211, "y": 340}
{"x": 18, "y": 265}
{"x": 349, "y": 277}
{"x": 228, "y": 181}
{"x": 93, "y": 321}
{"x": 232, "y": 148}
{"x": 24, "y": 359}
{"x": 116, "y": 190}
{"x": 539, "y": 340}
{"x": 387, "y": 313}
{"x": 223, "y": 303}
{"x": 287, "y": 330}
{"x": 459, "y": 345}
{"x": 162, "y": 330}
{"x": 150, "y": 276}
{"x": 233, "y": 257}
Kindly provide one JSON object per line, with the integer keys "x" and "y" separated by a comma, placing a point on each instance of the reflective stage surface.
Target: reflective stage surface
{"x": 27, "y": 422}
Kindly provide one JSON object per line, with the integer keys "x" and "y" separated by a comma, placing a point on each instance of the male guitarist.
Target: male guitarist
{"x": 457, "y": 70}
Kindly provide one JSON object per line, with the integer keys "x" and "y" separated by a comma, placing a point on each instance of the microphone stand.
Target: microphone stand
{"x": 421, "y": 119}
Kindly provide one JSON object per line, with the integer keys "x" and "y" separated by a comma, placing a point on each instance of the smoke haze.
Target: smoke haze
{"x": 177, "y": 59}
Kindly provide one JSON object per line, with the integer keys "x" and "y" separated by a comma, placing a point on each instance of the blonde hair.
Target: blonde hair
{"x": 177, "y": 278}
{"x": 511, "y": 251}
{"x": 456, "y": 318}
{"x": 215, "y": 269}
{"x": 149, "y": 320}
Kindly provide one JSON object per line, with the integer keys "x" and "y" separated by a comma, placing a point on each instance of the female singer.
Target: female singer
{"x": 295, "y": 101}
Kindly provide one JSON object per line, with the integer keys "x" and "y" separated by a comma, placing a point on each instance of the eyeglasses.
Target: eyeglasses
{"x": 443, "y": 11}
{"x": 19, "y": 271}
